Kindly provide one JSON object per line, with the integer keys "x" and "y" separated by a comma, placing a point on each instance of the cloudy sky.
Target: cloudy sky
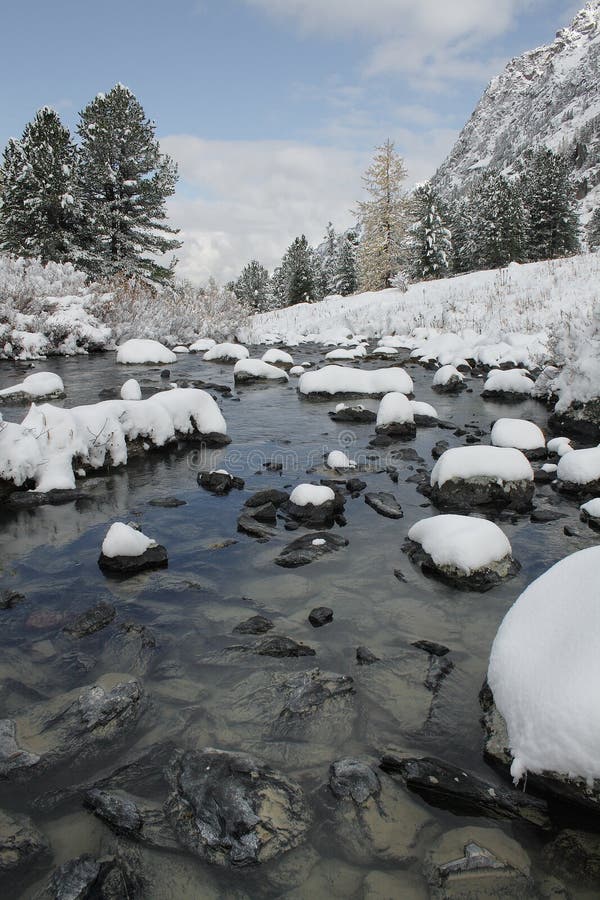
{"x": 272, "y": 108}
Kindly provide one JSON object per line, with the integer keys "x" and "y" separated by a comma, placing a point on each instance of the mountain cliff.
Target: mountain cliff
{"x": 549, "y": 96}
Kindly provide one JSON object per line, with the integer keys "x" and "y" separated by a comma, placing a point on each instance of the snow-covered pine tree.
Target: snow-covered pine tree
{"x": 40, "y": 212}
{"x": 253, "y": 287}
{"x": 549, "y": 197}
{"x": 345, "y": 273}
{"x": 383, "y": 219}
{"x": 593, "y": 230}
{"x": 329, "y": 259}
{"x": 299, "y": 278}
{"x": 499, "y": 229}
{"x": 125, "y": 181}
{"x": 462, "y": 226}
{"x": 430, "y": 237}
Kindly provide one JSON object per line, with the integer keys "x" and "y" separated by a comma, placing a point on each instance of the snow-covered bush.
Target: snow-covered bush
{"x": 575, "y": 345}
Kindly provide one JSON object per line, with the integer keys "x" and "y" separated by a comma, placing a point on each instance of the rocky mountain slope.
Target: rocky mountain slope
{"x": 549, "y": 96}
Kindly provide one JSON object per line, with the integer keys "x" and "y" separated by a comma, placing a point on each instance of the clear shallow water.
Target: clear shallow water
{"x": 203, "y": 694}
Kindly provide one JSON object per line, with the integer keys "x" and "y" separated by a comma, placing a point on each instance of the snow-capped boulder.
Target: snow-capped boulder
{"x": 395, "y": 416}
{"x": 543, "y": 388}
{"x": 384, "y": 351}
{"x": 313, "y": 505}
{"x": 297, "y": 371}
{"x": 590, "y": 513}
{"x": 337, "y": 459}
{"x": 249, "y": 371}
{"x": 579, "y": 471}
{"x": 180, "y": 348}
{"x": 126, "y": 551}
{"x": 347, "y": 382}
{"x": 341, "y": 353}
{"x": 448, "y": 380}
{"x": 226, "y": 353}
{"x": 521, "y": 434}
{"x": 39, "y": 386}
{"x": 131, "y": 390}
{"x": 468, "y": 477}
{"x": 202, "y": 345}
{"x": 466, "y": 552}
{"x": 507, "y": 386}
{"x": 543, "y": 666}
{"x": 278, "y": 358}
{"x": 308, "y": 548}
{"x": 559, "y": 445}
{"x": 139, "y": 351}
{"x": 424, "y": 413}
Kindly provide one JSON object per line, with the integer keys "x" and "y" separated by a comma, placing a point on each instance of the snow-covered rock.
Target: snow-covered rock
{"x": 559, "y": 445}
{"x": 181, "y": 349}
{"x": 590, "y": 513}
{"x": 464, "y": 551}
{"x": 131, "y": 390}
{"x": 395, "y": 416}
{"x": 348, "y": 382}
{"x": 544, "y": 665}
{"x": 467, "y": 477}
{"x": 138, "y": 351}
{"x": 277, "y": 357}
{"x": 247, "y": 371}
{"x": 297, "y": 371}
{"x": 448, "y": 380}
{"x": 384, "y": 351}
{"x": 313, "y": 505}
{"x": 313, "y": 494}
{"x": 424, "y": 413}
{"x": 341, "y": 353}
{"x": 507, "y": 385}
{"x": 226, "y": 353}
{"x": 521, "y": 434}
{"x": 126, "y": 551}
{"x": 202, "y": 345}
{"x": 579, "y": 471}
{"x": 39, "y": 386}
{"x": 337, "y": 459}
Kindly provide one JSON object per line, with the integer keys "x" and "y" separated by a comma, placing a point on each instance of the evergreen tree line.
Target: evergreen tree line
{"x": 98, "y": 203}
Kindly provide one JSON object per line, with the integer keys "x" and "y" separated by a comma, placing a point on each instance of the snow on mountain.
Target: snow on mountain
{"x": 550, "y": 97}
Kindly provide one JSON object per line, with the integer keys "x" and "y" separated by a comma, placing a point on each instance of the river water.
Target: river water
{"x": 204, "y": 694}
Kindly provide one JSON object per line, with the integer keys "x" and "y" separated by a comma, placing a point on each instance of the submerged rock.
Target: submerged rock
{"x": 281, "y": 646}
{"x": 319, "y": 616}
{"x": 231, "y": 809}
{"x": 575, "y": 855}
{"x": 365, "y": 657}
{"x": 21, "y": 843}
{"x": 92, "y": 620}
{"x": 254, "y": 625}
{"x": 271, "y": 496}
{"x": 88, "y": 878}
{"x": 385, "y": 504}
{"x": 167, "y": 502}
{"x": 247, "y": 524}
{"x": 308, "y": 548}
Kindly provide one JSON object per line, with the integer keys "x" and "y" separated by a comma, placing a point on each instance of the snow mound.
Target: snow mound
{"x": 131, "y": 390}
{"x": 35, "y": 387}
{"x": 502, "y": 464}
{"x": 337, "y": 459}
{"x": 544, "y": 666}
{"x": 123, "y": 540}
{"x": 181, "y": 349}
{"x": 274, "y": 356}
{"x": 592, "y": 508}
{"x": 446, "y": 374}
{"x": 559, "y": 445}
{"x": 461, "y": 542}
{"x": 420, "y": 408}
{"x": 510, "y": 381}
{"x": 226, "y": 353}
{"x": 518, "y": 433}
{"x": 313, "y": 494}
{"x": 138, "y": 351}
{"x": 249, "y": 369}
{"x": 342, "y": 380}
{"x": 580, "y": 466}
{"x": 395, "y": 408}
{"x": 297, "y": 371}
{"x": 202, "y": 345}
{"x": 384, "y": 351}
{"x": 346, "y": 353}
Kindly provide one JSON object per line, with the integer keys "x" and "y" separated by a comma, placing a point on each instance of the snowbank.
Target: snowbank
{"x": 395, "y": 408}
{"x": 332, "y": 380}
{"x": 40, "y": 385}
{"x": 257, "y": 370}
{"x": 462, "y": 542}
{"x": 580, "y": 466}
{"x": 226, "y": 353}
{"x": 544, "y": 666}
{"x": 502, "y": 464}
{"x": 518, "y": 433}
{"x": 138, "y": 351}
{"x": 131, "y": 390}
{"x": 123, "y": 540}
{"x": 311, "y": 494}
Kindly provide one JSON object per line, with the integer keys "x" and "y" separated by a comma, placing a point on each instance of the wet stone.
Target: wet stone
{"x": 31, "y": 499}
{"x": 439, "y": 448}
{"x": 319, "y": 616}
{"x": 232, "y": 809}
{"x": 21, "y": 843}
{"x": 92, "y": 620}
{"x": 269, "y": 495}
{"x": 353, "y": 414}
{"x": 431, "y": 647}
{"x": 219, "y": 482}
{"x": 308, "y": 548}
{"x": 280, "y": 646}
{"x": 365, "y": 657}
{"x": 439, "y": 668}
{"x": 575, "y": 855}
{"x": 543, "y": 516}
{"x": 88, "y": 878}
{"x": 254, "y": 625}
{"x": 463, "y": 494}
{"x": 353, "y": 778}
{"x": 10, "y": 599}
{"x": 265, "y": 513}
{"x": 355, "y": 485}
{"x": 247, "y": 524}
{"x": 322, "y": 516}
{"x": 385, "y": 504}
{"x": 167, "y": 502}
{"x": 152, "y": 558}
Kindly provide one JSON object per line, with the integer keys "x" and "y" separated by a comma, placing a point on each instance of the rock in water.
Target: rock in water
{"x": 231, "y": 809}
{"x": 219, "y": 482}
{"x": 152, "y": 558}
{"x": 92, "y": 620}
{"x": 254, "y": 625}
{"x": 21, "y": 843}
{"x": 88, "y": 878}
{"x": 319, "y": 616}
{"x": 306, "y": 549}
{"x": 385, "y": 504}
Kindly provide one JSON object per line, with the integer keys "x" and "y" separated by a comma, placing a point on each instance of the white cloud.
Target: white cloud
{"x": 241, "y": 200}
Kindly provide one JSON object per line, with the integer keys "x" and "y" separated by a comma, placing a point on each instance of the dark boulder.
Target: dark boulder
{"x": 355, "y": 414}
{"x": 365, "y": 657}
{"x": 22, "y": 845}
{"x": 319, "y": 616}
{"x": 269, "y": 495}
{"x": 254, "y": 625}
{"x": 247, "y": 524}
{"x": 462, "y": 495}
{"x": 480, "y": 580}
{"x": 308, "y": 548}
{"x": 385, "y": 504}
{"x": 219, "y": 482}
{"x": 152, "y": 558}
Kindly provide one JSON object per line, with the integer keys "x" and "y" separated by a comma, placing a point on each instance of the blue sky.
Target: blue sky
{"x": 271, "y": 107}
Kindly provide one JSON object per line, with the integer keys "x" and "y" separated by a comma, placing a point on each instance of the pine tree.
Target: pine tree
{"x": 499, "y": 229}
{"x": 593, "y": 230}
{"x": 345, "y": 273}
{"x": 553, "y": 226}
{"x": 253, "y": 287}
{"x": 40, "y": 212}
{"x": 462, "y": 226}
{"x": 330, "y": 260}
{"x": 430, "y": 239}
{"x": 125, "y": 181}
{"x": 299, "y": 278}
{"x": 383, "y": 219}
